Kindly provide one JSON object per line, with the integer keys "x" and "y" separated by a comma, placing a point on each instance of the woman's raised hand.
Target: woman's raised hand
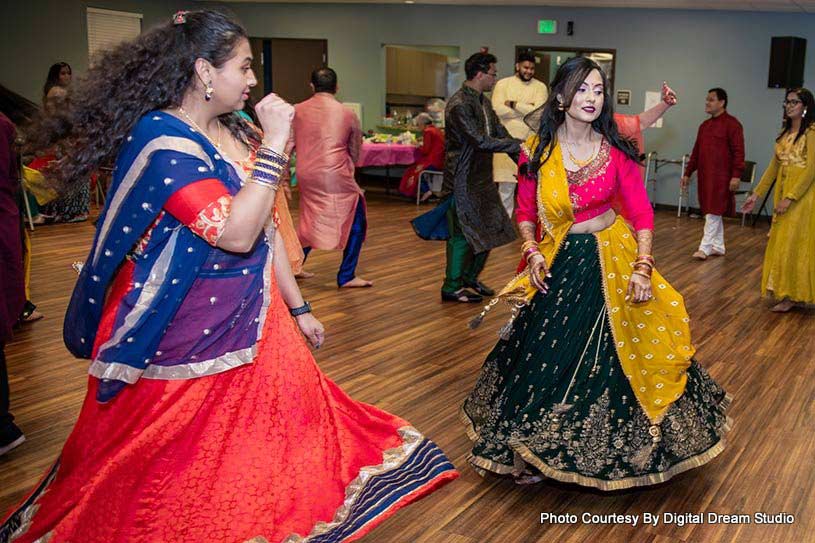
{"x": 276, "y": 116}
{"x": 668, "y": 94}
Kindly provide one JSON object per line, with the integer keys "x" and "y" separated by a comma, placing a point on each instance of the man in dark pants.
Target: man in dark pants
{"x": 476, "y": 219}
{"x": 12, "y": 282}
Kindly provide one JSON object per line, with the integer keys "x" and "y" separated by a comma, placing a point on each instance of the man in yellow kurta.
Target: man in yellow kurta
{"x": 512, "y": 98}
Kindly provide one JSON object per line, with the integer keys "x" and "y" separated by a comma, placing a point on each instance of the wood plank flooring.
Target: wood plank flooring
{"x": 399, "y": 347}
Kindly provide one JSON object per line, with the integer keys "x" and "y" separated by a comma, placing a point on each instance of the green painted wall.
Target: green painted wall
{"x": 694, "y": 50}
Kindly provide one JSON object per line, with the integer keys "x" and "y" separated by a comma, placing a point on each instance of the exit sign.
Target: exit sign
{"x": 547, "y": 26}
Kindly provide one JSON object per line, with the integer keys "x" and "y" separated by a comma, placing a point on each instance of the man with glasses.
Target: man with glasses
{"x": 476, "y": 220}
{"x": 718, "y": 156}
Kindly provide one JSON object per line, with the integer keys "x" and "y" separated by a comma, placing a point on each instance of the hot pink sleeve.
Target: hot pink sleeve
{"x": 632, "y": 198}
{"x": 526, "y": 209}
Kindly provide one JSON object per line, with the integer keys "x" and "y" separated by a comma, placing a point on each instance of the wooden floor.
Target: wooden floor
{"x": 398, "y": 346}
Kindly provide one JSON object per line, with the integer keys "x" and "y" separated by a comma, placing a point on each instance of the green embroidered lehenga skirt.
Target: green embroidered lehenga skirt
{"x": 552, "y": 399}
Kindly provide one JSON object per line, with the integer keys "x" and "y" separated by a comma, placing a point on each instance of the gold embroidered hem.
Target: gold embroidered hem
{"x": 631, "y": 482}
{"x": 415, "y": 458}
{"x": 622, "y": 484}
{"x": 482, "y": 465}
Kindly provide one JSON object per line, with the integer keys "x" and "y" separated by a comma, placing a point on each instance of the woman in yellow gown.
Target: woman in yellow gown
{"x": 789, "y": 262}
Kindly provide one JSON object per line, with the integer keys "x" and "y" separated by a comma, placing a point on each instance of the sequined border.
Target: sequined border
{"x": 526, "y": 455}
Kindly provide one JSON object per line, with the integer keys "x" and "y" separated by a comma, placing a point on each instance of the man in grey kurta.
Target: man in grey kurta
{"x": 476, "y": 219}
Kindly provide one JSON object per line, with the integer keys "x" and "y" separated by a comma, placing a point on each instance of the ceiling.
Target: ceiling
{"x": 795, "y": 6}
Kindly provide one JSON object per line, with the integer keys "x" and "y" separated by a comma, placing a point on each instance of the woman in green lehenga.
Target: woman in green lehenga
{"x": 594, "y": 382}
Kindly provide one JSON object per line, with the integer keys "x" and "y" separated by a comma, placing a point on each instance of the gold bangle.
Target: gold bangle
{"x": 268, "y": 162}
{"x": 641, "y": 274}
{"x": 268, "y": 166}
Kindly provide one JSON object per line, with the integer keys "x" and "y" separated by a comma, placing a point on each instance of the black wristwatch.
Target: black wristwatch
{"x": 302, "y": 310}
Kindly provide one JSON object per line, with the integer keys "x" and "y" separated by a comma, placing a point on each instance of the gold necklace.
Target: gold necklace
{"x": 195, "y": 125}
{"x": 577, "y": 162}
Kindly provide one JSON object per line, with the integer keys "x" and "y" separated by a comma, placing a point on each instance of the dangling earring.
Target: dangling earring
{"x": 804, "y": 114}
{"x": 561, "y": 107}
{"x": 208, "y": 92}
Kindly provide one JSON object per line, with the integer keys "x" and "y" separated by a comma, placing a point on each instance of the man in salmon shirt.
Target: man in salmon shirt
{"x": 327, "y": 139}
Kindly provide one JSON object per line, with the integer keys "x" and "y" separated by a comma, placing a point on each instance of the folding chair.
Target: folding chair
{"x": 746, "y": 182}
{"x": 434, "y": 179}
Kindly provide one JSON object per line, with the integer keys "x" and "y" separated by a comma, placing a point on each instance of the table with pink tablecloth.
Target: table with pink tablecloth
{"x": 387, "y": 154}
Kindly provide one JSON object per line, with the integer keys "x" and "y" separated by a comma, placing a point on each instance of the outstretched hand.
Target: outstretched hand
{"x": 749, "y": 204}
{"x": 668, "y": 94}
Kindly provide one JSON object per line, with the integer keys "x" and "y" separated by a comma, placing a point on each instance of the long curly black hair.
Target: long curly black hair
{"x": 807, "y": 100}
{"x": 552, "y": 114}
{"x": 152, "y": 72}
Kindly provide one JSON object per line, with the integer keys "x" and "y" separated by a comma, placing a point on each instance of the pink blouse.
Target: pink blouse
{"x": 612, "y": 180}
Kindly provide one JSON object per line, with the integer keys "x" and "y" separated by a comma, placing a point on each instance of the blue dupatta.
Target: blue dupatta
{"x": 193, "y": 309}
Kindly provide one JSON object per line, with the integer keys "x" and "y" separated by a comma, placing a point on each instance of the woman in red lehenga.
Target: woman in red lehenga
{"x": 206, "y": 419}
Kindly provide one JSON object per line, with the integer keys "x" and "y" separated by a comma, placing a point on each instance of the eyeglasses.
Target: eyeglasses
{"x": 792, "y": 102}
{"x": 492, "y": 74}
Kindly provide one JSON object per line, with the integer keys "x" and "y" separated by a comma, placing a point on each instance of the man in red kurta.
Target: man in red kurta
{"x": 328, "y": 139}
{"x": 718, "y": 156}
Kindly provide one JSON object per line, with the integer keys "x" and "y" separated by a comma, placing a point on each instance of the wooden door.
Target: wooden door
{"x": 284, "y": 66}
{"x": 292, "y": 62}
{"x": 542, "y": 68}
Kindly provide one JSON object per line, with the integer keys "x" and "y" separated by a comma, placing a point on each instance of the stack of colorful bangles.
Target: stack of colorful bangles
{"x": 269, "y": 166}
{"x": 644, "y": 266}
{"x": 529, "y": 249}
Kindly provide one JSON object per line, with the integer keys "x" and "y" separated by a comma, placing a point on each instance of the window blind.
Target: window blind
{"x": 108, "y": 28}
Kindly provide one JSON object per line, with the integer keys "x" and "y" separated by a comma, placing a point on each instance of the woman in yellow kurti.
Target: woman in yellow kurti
{"x": 789, "y": 262}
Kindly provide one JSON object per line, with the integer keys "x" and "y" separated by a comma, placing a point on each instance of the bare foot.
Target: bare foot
{"x": 303, "y": 275}
{"x": 783, "y": 306}
{"x": 528, "y": 479}
{"x": 357, "y": 282}
{"x": 700, "y": 255}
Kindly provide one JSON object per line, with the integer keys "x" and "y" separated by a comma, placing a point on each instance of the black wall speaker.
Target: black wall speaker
{"x": 787, "y": 62}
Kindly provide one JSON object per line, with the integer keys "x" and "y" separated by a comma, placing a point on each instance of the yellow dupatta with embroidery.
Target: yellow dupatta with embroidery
{"x": 653, "y": 338}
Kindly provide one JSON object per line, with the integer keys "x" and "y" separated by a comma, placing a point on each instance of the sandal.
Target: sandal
{"x": 30, "y": 313}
